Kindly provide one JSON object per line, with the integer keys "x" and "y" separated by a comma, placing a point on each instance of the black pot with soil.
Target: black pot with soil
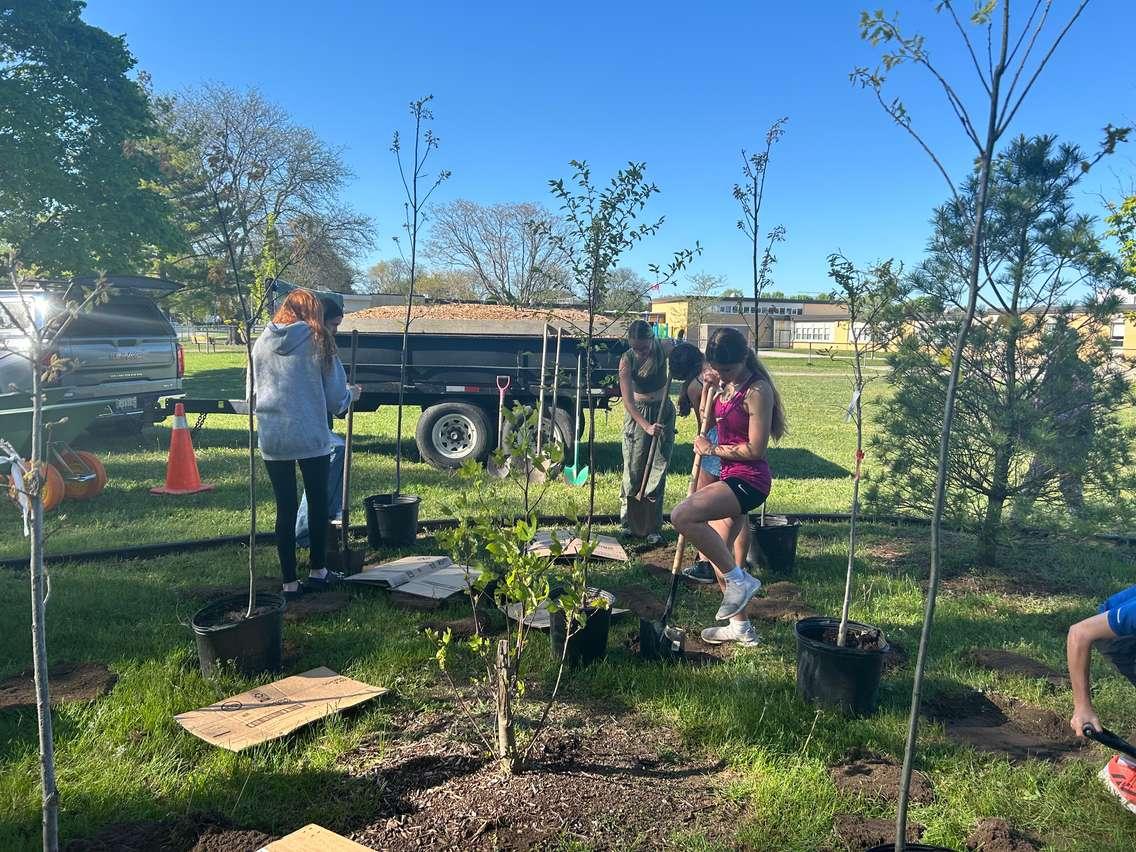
{"x": 846, "y": 678}
{"x": 773, "y": 543}
{"x": 588, "y": 643}
{"x": 226, "y": 637}
{"x": 392, "y": 520}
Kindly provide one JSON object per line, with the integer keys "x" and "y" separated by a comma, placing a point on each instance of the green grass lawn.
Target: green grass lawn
{"x": 123, "y": 758}
{"x": 812, "y": 466}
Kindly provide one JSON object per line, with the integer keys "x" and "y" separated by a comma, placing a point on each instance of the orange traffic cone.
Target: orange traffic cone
{"x": 181, "y": 469}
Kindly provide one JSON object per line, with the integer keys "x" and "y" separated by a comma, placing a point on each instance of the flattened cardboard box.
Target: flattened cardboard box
{"x": 275, "y": 709}
{"x": 432, "y": 577}
{"x": 606, "y": 546}
{"x": 312, "y": 838}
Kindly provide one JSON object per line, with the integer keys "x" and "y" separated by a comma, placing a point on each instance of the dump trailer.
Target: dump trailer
{"x": 453, "y": 370}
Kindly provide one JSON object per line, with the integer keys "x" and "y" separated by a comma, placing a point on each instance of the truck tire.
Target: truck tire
{"x": 451, "y": 432}
{"x": 563, "y": 421}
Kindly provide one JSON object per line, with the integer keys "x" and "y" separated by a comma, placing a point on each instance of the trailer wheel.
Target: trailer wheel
{"x": 563, "y": 433}
{"x": 451, "y": 432}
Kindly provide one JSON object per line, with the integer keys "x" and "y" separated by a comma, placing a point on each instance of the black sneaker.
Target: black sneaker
{"x": 700, "y": 572}
{"x": 322, "y": 584}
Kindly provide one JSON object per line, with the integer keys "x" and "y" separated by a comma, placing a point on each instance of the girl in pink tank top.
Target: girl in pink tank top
{"x": 749, "y": 414}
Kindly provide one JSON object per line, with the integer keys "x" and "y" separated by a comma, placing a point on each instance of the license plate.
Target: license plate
{"x": 126, "y": 403}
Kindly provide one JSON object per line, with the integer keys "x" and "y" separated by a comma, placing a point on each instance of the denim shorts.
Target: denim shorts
{"x": 712, "y": 464}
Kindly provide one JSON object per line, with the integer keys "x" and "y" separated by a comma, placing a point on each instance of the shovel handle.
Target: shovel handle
{"x": 705, "y": 407}
{"x": 1107, "y": 738}
{"x": 647, "y": 470}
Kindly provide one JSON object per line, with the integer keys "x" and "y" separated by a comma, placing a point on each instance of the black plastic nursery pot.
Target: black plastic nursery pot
{"x": 391, "y": 519}
{"x": 252, "y": 645}
{"x": 589, "y": 643}
{"x": 845, "y": 679}
{"x": 773, "y": 545}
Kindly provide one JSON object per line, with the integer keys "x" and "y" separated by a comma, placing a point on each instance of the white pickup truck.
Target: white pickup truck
{"x": 123, "y": 350}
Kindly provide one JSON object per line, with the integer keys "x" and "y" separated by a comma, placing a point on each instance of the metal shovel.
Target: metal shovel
{"x": 1107, "y": 738}
{"x": 575, "y": 475}
{"x": 641, "y": 514}
{"x": 348, "y": 561}
{"x": 657, "y": 639}
{"x": 500, "y": 471}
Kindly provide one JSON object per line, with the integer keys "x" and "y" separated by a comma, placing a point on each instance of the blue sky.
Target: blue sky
{"x": 522, "y": 88}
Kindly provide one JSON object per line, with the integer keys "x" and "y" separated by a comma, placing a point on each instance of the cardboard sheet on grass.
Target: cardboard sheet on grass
{"x": 434, "y": 577}
{"x": 606, "y": 546}
{"x": 312, "y": 838}
{"x": 275, "y": 709}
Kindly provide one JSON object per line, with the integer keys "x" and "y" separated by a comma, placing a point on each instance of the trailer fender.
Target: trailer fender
{"x": 449, "y": 433}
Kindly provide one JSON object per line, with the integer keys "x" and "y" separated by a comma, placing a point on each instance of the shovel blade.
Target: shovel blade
{"x": 662, "y": 642}
{"x": 576, "y": 477}
{"x": 641, "y": 517}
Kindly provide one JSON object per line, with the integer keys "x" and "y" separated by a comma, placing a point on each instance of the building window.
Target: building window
{"x": 861, "y": 333}
{"x": 1117, "y": 332}
{"x": 813, "y": 332}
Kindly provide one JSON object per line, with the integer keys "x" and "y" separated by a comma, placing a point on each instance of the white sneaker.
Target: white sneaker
{"x": 741, "y": 632}
{"x": 737, "y": 595}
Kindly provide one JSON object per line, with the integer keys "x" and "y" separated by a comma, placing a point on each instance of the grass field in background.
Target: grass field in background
{"x": 812, "y": 465}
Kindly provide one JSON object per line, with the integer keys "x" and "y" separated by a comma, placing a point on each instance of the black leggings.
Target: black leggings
{"x": 283, "y": 477}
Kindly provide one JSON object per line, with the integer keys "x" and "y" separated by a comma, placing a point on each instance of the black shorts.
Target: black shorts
{"x": 749, "y": 498}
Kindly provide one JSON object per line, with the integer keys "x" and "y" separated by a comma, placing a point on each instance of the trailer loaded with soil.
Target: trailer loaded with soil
{"x": 456, "y": 366}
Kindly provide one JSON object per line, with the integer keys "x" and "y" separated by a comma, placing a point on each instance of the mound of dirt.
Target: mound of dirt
{"x": 996, "y": 835}
{"x": 465, "y": 628}
{"x": 68, "y": 682}
{"x": 615, "y": 783}
{"x": 779, "y": 609}
{"x": 641, "y": 602}
{"x": 198, "y": 833}
{"x": 783, "y": 589}
{"x": 695, "y": 651}
{"x": 855, "y": 834}
{"x": 1002, "y": 725}
{"x": 877, "y": 777}
{"x": 316, "y": 604}
{"x": 1009, "y": 662}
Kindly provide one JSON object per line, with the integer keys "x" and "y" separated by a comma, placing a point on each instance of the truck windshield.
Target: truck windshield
{"x": 122, "y": 316}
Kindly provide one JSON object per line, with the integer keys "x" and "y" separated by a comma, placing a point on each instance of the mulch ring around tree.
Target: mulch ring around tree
{"x": 877, "y": 777}
{"x": 68, "y": 682}
{"x": 184, "y": 834}
{"x": 997, "y": 835}
{"x": 1011, "y": 663}
{"x": 610, "y": 783}
{"x": 855, "y": 834}
{"x": 1001, "y": 725}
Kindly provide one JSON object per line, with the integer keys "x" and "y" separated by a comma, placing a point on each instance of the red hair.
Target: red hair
{"x": 303, "y": 306}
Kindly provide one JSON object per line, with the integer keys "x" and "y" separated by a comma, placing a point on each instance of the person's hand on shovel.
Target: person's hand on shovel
{"x": 653, "y": 429}
{"x": 1083, "y": 716}
{"x": 356, "y": 392}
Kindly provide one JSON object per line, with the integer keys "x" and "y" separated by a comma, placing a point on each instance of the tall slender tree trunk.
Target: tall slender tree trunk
{"x": 506, "y": 741}
{"x": 39, "y": 627}
{"x": 995, "y": 503}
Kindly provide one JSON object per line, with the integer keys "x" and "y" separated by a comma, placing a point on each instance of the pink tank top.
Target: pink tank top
{"x": 733, "y": 428}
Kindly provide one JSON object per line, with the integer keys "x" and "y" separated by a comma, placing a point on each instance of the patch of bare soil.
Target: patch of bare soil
{"x": 779, "y": 609}
{"x": 69, "y": 682}
{"x": 468, "y": 626}
{"x": 184, "y": 834}
{"x": 641, "y": 602}
{"x": 1002, "y": 725}
{"x": 996, "y": 835}
{"x": 877, "y": 777}
{"x": 695, "y": 652}
{"x": 855, "y": 834}
{"x": 1009, "y": 662}
{"x": 783, "y": 589}
{"x": 864, "y": 640}
{"x": 613, "y": 783}
{"x": 320, "y": 603}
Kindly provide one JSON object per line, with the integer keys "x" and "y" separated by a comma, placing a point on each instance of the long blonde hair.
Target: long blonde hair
{"x": 728, "y": 346}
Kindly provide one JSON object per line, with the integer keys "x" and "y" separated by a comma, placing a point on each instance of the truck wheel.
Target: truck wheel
{"x": 451, "y": 432}
{"x": 563, "y": 434}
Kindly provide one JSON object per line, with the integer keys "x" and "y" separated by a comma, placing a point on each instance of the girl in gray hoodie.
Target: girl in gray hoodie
{"x": 298, "y": 382}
